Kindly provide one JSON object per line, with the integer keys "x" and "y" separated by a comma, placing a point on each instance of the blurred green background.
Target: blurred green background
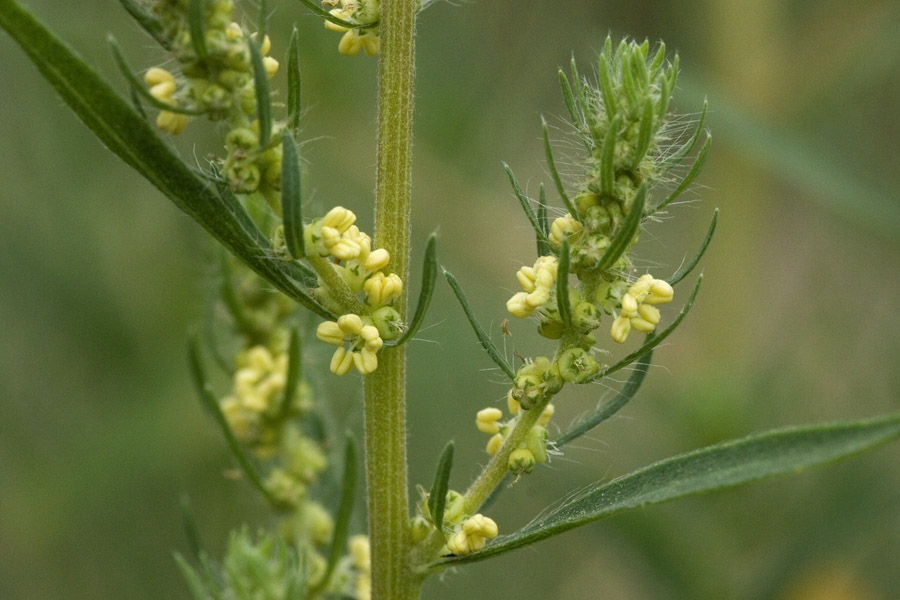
{"x": 102, "y": 278}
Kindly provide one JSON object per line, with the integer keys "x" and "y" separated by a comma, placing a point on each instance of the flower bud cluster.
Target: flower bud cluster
{"x": 538, "y": 284}
{"x": 638, "y": 310}
{"x": 472, "y": 535}
{"x": 362, "y": 269}
{"x": 220, "y": 84}
{"x": 359, "y": 12}
{"x": 530, "y": 452}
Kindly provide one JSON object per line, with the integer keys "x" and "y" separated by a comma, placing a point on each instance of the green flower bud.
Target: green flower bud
{"x": 551, "y": 328}
{"x": 453, "y": 509}
{"x": 586, "y": 316}
{"x": 242, "y": 138}
{"x": 576, "y": 365}
{"x": 243, "y": 178}
{"x": 585, "y": 200}
{"x": 388, "y": 322}
{"x": 521, "y": 460}
{"x": 419, "y": 528}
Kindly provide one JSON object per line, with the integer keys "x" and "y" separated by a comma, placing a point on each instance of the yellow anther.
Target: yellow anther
{"x": 381, "y": 289}
{"x": 546, "y": 414}
{"x": 525, "y": 277}
{"x": 660, "y": 292}
{"x": 359, "y": 552}
{"x": 270, "y": 65}
{"x": 371, "y": 42}
{"x": 377, "y": 260}
{"x": 517, "y": 305}
{"x": 512, "y": 405}
{"x": 156, "y": 75}
{"x": 340, "y": 218}
{"x": 350, "y": 323}
{"x": 471, "y": 537}
{"x": 649, "y": 313}
{"x": 629, "y": 305}
{"x": 486, "y": 420}
{"x": 620, "y": 329}
{"x": 171, "y": 122}
{"x": 494, "y": 444}
{"x": 341, "y": 361}
{"x": 365, "y": 361}
{"x": 350, "y": 44}
{"x": 642, "y": 326}
{"x": 330, "y": 332}
{"x": 562, "y": 228}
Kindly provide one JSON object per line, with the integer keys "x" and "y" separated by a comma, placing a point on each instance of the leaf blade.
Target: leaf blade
{"x": 437, "y": 499}
{"x": 429, "y": 276}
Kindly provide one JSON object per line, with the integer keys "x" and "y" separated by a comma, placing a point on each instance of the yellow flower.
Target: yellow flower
{"x": 637, "y": 310}
{"x": 363, "y": 341}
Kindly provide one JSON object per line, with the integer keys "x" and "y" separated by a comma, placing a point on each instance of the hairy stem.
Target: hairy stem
{"x": 385, "y": 389}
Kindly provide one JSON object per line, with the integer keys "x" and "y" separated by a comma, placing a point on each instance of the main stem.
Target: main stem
{"x": 385, "y": 388}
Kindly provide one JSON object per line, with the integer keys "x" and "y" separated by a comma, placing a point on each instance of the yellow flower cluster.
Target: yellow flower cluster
{"x": 472, "y": 535}
{"x": 363, "y": 342}
{"x": 638, "y": 310}
{"x": 563, "y": 227}
{"x": 162, "y": 86}
{"x": 537, "y": 283}
{"x": 258, "y": 390}
{"x": 360, "y": 556}
{"x": 532, "y": 451}
{"x": 354, "y": 40}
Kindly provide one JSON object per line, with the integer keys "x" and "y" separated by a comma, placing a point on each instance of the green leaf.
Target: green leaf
{"x": 294, "y": 103}
{"x": 653, "y": 340}
{"x": 317, "y": 9}
{"x": 607, "y": 408}
{"x": 569, "y": 100}
{"x": 543, "y": 244}
{"x": 603, "y": 76}
{"x": 212, "y": 405}
{"x": 263, "y": 21}
{"x": 294, "y": 375}
{"x": 624, "y": 237}
{"x": 138, "y": 86}
{"x": 658, "y": 59}
{"x": 197, "y": 26}
{"x": 148, "y": 21}
{"x": 292, "y": 197}
{"x": 645, "y": 134}
{"x": 342, "y": 518}
{"x": 132, "y": 139}
{"x": 689, "y": 266}
{"x": 486, "y": 342}
{"x": 190, "y": 528}
{"x": 551, "y": 164}
{"x": 192, "y": 578}
{"x": 714, "y": 468}
{"x": 429, "y": 276}
{"x": 263, "y": 101}
{"x": 690, "y": 177}
{"x": 682, "y": 152}
{"x": 607, "y": 157}
{"x": 524, "y": 202}
{"x": 562, "y": 285}
{"x": 437, "y": 499}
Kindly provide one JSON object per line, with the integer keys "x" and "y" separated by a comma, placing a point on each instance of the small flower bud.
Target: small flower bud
{"x": 365, "y": 360}
{"x": 341, "y": 361}
{"x": 517, "y": 305}
{"x": 339, "y": 218}
{"x": 563, "y": 227}
{"x": 350, "y": 324}
{"x": 512, "y": 405}
{"x": 642, "y": 326}
{"x": 649, "y": 313}
{"x": 377, "y": 260}
{"x": 546, "y": 414}
{"x": 330, "y": 332}
{"x": 419, "y": 528}
{"x": 586, "y": 316}
{"x": 552, "y": 329}
{"x": 660, "y": 292}
{"x": 494, "y": 444}
{"x": 536, "y": 443}
{"x": 576, "y": 365}
{"x": 620, "y": 328}
{"x": 171, "y": 122}
{"x": 521, "y": 460}
{"x": 388, "y": 322}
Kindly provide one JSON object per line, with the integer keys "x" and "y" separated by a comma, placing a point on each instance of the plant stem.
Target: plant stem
{"x": 385, "y": 389}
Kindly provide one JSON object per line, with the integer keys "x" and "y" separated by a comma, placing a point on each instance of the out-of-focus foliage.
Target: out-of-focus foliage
{"x": 100, "y": 433}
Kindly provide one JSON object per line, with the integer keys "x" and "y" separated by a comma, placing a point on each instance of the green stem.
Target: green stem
{"x": 385, "y": 389}
{"x": 338, "y": 291}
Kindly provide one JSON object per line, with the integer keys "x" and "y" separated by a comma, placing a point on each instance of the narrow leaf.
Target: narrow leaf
{"x": 606, "y": 89}
{"x": 524, "y": 202}
{"x": 543, "y": 245}
{"x": 192, "y": 578}
{"x": 293, "y": 74}
{"x": 657, "y": 61}
{"x": 623, "y": 238}
{"x": 551, "y": 165}
{"x": 569, "y": 100}
{"x": 190, "y": 528}
{"x": 680, "y": 154}
{"x": 212, "y": 404}
{"x": 263, "y": 21}
{"x": 714, "y": 468}
{"x": 132, "y": 139}
{"x": 429, "y": 276}
{"x": 486, "y": 342}
{"x": 653, "y": 340}
{"x": 292, "y": 197}
{"x": 607, "y": 157}
{"x": 609, "y": 407}
{"x": 263, "y": 102}
{"x": 197, "y": 26}
{"x": 645, "y": 134}
{"x": 562, "y": 285}
{"x": 294, "y": 374}
{"x": 317, "y": 9}
{"x": 342, "y": 518}
{"x": 690, "y": 177}
{"x": 437, "y": 499}
{"x": 148, "y": 21}
{"x": 138, "y": 86}
{"x": 689, "y": 266}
